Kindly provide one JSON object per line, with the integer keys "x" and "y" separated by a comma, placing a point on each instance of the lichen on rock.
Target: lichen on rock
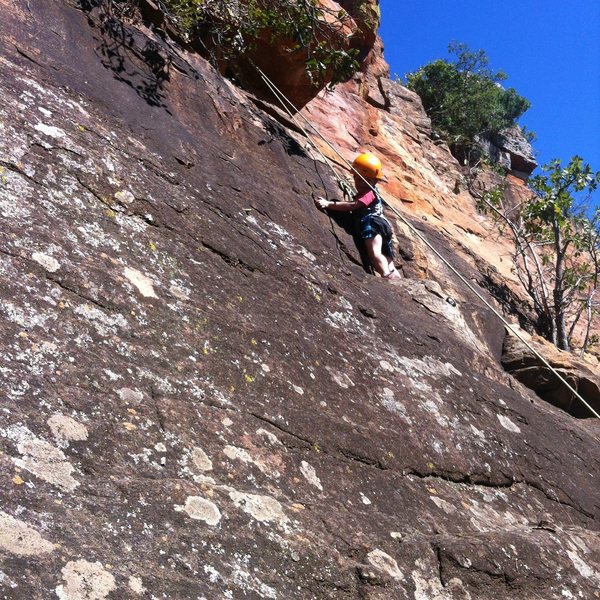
{"x": 204, "y": 393}
{"x": 19, "y": 539}
{"x": 85, "y": 580}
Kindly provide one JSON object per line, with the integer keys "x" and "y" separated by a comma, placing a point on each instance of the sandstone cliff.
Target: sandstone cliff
{"x": 203, "y": 394}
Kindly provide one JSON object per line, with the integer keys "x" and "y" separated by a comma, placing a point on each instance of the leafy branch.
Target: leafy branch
{"x": 230, "y": 29}
{"x": 555, "y": 248}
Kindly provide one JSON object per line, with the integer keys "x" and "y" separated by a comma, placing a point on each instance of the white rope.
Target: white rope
{"x": 284, "y": 100}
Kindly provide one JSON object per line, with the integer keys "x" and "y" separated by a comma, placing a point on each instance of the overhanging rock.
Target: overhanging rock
{"x": 532, "y": 372}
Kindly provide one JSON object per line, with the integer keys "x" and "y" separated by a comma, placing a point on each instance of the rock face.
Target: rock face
{"x": 204, "y": 395}
{"x": 511, "y": 150}
{"x": 513, "y": 142}
{"x": 351, "y": 24}
{"x": 525, "y": 366}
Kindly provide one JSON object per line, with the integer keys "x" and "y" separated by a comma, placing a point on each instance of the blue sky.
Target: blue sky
{"x": 550, "y": 50}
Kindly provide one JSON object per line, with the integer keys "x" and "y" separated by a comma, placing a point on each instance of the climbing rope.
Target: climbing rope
{"x": 288, "y": 106}
{"x": 283, "y": 99}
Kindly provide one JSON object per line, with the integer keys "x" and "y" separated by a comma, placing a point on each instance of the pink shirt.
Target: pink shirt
{"x": 366, "y": 198}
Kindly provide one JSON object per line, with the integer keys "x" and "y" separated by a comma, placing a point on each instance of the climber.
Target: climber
{"x": 367, "y": 209}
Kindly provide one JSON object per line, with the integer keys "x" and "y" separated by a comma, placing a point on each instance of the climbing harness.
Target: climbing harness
{"x": 288, "y": 106}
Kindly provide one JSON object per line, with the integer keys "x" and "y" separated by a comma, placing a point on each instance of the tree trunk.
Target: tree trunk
{"x": 546, "y": 327}
{"x": 562, "y": 335}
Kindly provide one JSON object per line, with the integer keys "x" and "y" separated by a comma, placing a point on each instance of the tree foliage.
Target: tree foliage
{"x": 464, "y": 97}
{"x": 232, "y": 27}
{"x": 556, "y": 248}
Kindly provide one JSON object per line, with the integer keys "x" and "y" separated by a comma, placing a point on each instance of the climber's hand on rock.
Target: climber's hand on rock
{"x": 321, "y": 203}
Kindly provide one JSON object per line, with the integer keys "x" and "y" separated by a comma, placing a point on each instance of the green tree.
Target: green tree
{"x": 227, "y": 29}
{"x": 464, "y": 97}
{"x": 556, "y": 247}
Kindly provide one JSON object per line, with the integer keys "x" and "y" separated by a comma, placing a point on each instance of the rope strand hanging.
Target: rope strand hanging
{"x": 287, "y": 105}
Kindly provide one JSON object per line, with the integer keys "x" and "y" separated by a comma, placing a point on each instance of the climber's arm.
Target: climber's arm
{"x": 344, "y": 206}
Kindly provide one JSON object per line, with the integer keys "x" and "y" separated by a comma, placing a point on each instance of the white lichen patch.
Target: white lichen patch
{"x": 26, "y": 317}
{"x": 484, "y": 516}
{"x": 427, "y": 366}
{"x": 269, "y": 436}
{"x": 433, "y": 404}
{"x": 201, "y": 509}
{"x": 309, "y": 473}
{"x": 141, "y": 282}
{"x": 477, "y": 432}
{"x": 246, "y": 581}
{"x": 582, "y": 567}
{"x": 14, "y": 187}
{"x": 386, "y": 366}
{"x": 508, "y": 424}
{"x": 443, "y": 504}
{"x": 309, "y": 255}
{"x": 340, "y": 378}
{"x": 388, "y": 400}
{"x": 417, "y": 374}
{"x": 235, "y": 453}
{"x": 48, "y": 262}
{"x": 95, "y": 236}
{"x": 200, "y": 460}
{"x": 136, "y": 585}
{"x": 179, "y": 292}
{"x": 125, "y": 196}
{"x": 285, "y": 238}
{"x": 50, "y": 131}
{"x": 429, "y": 587}
{"x": 103, "y": 323}
{"x": 84, "y": 580}
{"x": 343, "y": 320}
{"x": 128, "y": 395}
{"x": 16, "y": 537}
{"x": 42, "y": 459}
{"x": 384, "y": 562}
{"x": 213, "y": 574}
{"x": 65, "y": 429}
{"x": 133, "y": 223}
{"x": 112, "y": 376}
{"x": 264, "y": 509}
{"x": 39, "y": 358}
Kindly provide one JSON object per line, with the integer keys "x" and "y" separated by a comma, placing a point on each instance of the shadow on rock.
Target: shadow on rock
{"x": 526, "y": 367}
{"x": 133, "y": 59}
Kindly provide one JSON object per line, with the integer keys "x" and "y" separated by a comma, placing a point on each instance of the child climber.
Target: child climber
{"x": 367, "y": 209}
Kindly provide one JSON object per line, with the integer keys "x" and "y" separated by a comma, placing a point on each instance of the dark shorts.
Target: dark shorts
{"x": 371, "y": 225}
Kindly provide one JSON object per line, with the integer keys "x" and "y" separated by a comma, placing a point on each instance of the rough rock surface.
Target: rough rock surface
{"x": 347, "y": 24}
{"x": 511, "y": 150}
{"x": 522, "y": 158}
{"x": 525, "y": 366}
{"x": 205, "y": 397}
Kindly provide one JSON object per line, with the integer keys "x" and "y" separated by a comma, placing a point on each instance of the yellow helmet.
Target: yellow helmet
{"x": 368, "y": 165}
